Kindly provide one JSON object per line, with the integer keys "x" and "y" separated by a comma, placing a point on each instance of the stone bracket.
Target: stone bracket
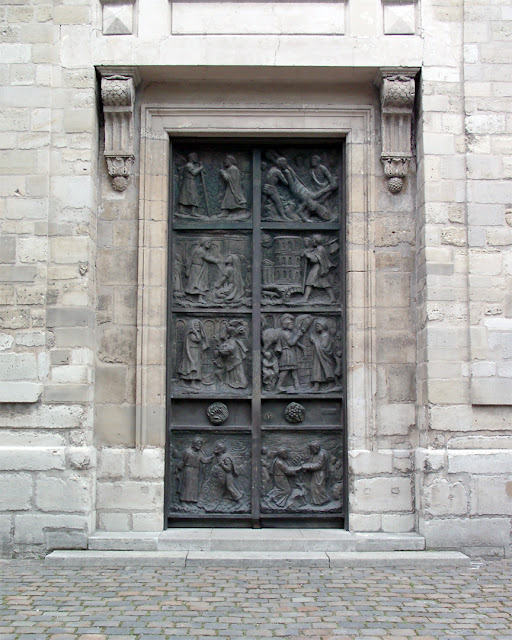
{"x": 118, "y": 98}
{"x": 397, "y": 92}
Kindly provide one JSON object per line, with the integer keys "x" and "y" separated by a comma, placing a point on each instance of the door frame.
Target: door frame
{"x": 356, "y": 124}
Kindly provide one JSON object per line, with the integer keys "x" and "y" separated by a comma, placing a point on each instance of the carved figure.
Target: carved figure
{"x": 269, "y": 369}
{"x": 197, "y": 269}
{"x": 230, "y": 286}
{"x": 220, "y": 483}
{"x": 323, "y": 177}
{"x": 190, "y": 470}
{"x": 188, "y": 199}
{"x": 231, "y": 353}
{"x": 318, "y": 277}
{"x": 318, "y": 466}
{"x": 281, "y": 470}
{"x": 195, "y": 343}
{"x": 234, "y": 200}
{"x": 288, "y": 342}
{"x": 324, "y": 363}
{"x": 275, "y": 176}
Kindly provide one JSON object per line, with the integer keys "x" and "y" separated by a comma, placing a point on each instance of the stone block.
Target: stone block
{"x": 491, "y": 391}
{"x": 6, "y": 536}
{"x": 399, "y": 18}
{"x": 366, "y": 463}
{"x": 118, "y": 345}
{"x": 486, "y": 462}
{"x": 15, "y": 491}
{"x": 382, "y": 495}
{"x": 112, "y": 463}
{"x": 81, "y": 458}
{"x": 65, "y": 539}
{"x": 117, "y": 266}
{"x": 7, "y": 294}
{"x": 147, "y": 521}
{"x": 461, "y": 533}
{"x": 6, "y": 341}
{"x": 68, "y": 393}
{"x": 395, "y": 287}
{"x": 72, "y": 374}
{"x": 64, "y": 14}
{"x": 443, "y": 498}
{"x": 396, "y": 347}
{"x": 146, "y": 463}
{"x": 66, "y": 493}
{"x": 20, "y": 392}
{"x": 32, "y": 249}
{"x": 398, "y": 522}
{"x": 18, "y": 366}
{"x": 491, "y": 495}
{"x": 30, "y": 528}
{"x": 7, "y": 249}
{"x": 70, "y": 317}
{"x": 401, "y": 383}
{"x": 69, "y": 250}
{"x": 17, "y": 273}
{"x": 30, "y": 338}
{"x": 110, "y": 383}
{"x": 360, "y": 522}
{"x": 32, "y": 458}
{"x": 395, "y": 419}
{"x": 30, "y": 295}
{"x": 115, "y": 425}
{"x": 113, "y": 521}
{"x": 130, "y": 495}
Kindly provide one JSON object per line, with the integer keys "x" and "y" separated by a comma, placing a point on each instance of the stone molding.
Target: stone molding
{"x": 118, "y": 98}
{"x": 159, "y": 123}
{"x": 397, "y": 93}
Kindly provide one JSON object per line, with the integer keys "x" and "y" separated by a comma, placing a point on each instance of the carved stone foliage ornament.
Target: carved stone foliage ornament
{"x": 210, "y": 473}
{"x": 211, "y": 271}
{"x": 118, "y": 97}
{"x": 299, "y": 269}
{"x": 298, "y": 187}
{"x": 301, "y": 354}
{"x": 212, "y": 354}
{"x": 301, "y": 472}
{"x": 397, "y": 92}
{"x": 217, "y": 413}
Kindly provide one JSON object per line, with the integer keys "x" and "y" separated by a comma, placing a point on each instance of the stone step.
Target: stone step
{"x": 274, "y": 559}
{"x": 255, "y": 540}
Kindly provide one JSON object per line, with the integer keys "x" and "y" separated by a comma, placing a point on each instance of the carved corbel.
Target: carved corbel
{"x": 118, "y": 97}
{"x": 397, "y": 91}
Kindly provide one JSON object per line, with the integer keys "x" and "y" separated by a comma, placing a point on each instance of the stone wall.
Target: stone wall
{"x": 429, "y": 273}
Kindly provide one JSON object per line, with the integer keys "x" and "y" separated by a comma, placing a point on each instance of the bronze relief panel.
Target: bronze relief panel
{"x": 301, "y": 472}
{"x": 213, "y": 270}
{"x": 211, "y": 183}
{"x": 211, "y": 354}
{"x": 210, "y": 472}
{"x": 300, "y": 269}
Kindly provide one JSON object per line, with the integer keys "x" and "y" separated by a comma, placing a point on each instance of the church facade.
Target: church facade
{"x": 256, "y": 269}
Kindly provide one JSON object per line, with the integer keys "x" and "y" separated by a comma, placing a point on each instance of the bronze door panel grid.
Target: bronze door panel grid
{"x": 256, "y": 371}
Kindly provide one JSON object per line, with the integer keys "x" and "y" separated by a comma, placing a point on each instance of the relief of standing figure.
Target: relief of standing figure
{"x": 232, "y": 352}
{"x": 195, "y": 343}
{"x": 318, "y": 466}
{"x": 190, "y": 468}
{"x": 197, "y": 269}
{"x": 324, "y": 364}
{"x": 288, "y": 341}
{"x": 188, "y": 200}
{"x": 234, "y": 201}
{"x": 281, "y": 470}
{"x": 318, "y": 277}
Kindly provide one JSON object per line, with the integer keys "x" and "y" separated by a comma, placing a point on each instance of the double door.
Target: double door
{"x": 256, "y": 349}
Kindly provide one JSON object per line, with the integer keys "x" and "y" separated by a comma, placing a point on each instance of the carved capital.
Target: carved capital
{"x": 118, "y": 97}
{"x": 397, "y": 92}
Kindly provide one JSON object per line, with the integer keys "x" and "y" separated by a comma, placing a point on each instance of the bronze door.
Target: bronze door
{"x": 256, "y": 340}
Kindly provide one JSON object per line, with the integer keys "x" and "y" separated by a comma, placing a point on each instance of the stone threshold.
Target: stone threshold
{"x": 255, "y": 559}
{"x": 255, "y": 540}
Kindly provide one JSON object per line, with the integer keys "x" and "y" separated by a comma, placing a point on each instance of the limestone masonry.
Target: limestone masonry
{"x": 421, "y": 94}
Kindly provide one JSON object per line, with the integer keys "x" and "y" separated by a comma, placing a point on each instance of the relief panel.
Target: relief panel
{"x": 211, "y": 184}
{"x": 300, "y": 269}
{"x": 300, "y": 185}
{"x": 301, "y": 353}
{"x": 211, "y": 270}
{"x": 210, "y": 473}
{"x": 211, "y": 355}
{"x": 301, "y": 473}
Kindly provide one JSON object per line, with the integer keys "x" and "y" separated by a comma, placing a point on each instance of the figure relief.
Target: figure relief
{"x": 215, "y": 480}
{"x": 303, "y": 474}
{"x": 214, "y": 274}
{"x": 211, "y": 186}
{"x": 301, "y": 354}
{"x": 234, "y": 201}
{"x": 296, "y": 270}
{"x": 212, "y": 354}
{"x": 287, "y": 196}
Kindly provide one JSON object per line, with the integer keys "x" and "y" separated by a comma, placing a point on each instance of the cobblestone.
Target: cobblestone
{"x": 43, "y": 603}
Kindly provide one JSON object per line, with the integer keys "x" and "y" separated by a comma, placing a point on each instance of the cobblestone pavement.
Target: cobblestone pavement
{"x": 306, "y": 603}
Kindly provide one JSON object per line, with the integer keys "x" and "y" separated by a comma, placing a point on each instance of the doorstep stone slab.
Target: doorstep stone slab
{"x": 412, "y": 559}
{"x": 277, "y": 560}
{"x": 113, "y": 559}
{"x": 123, "y": 541}
{"x": 389, "y": 542}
